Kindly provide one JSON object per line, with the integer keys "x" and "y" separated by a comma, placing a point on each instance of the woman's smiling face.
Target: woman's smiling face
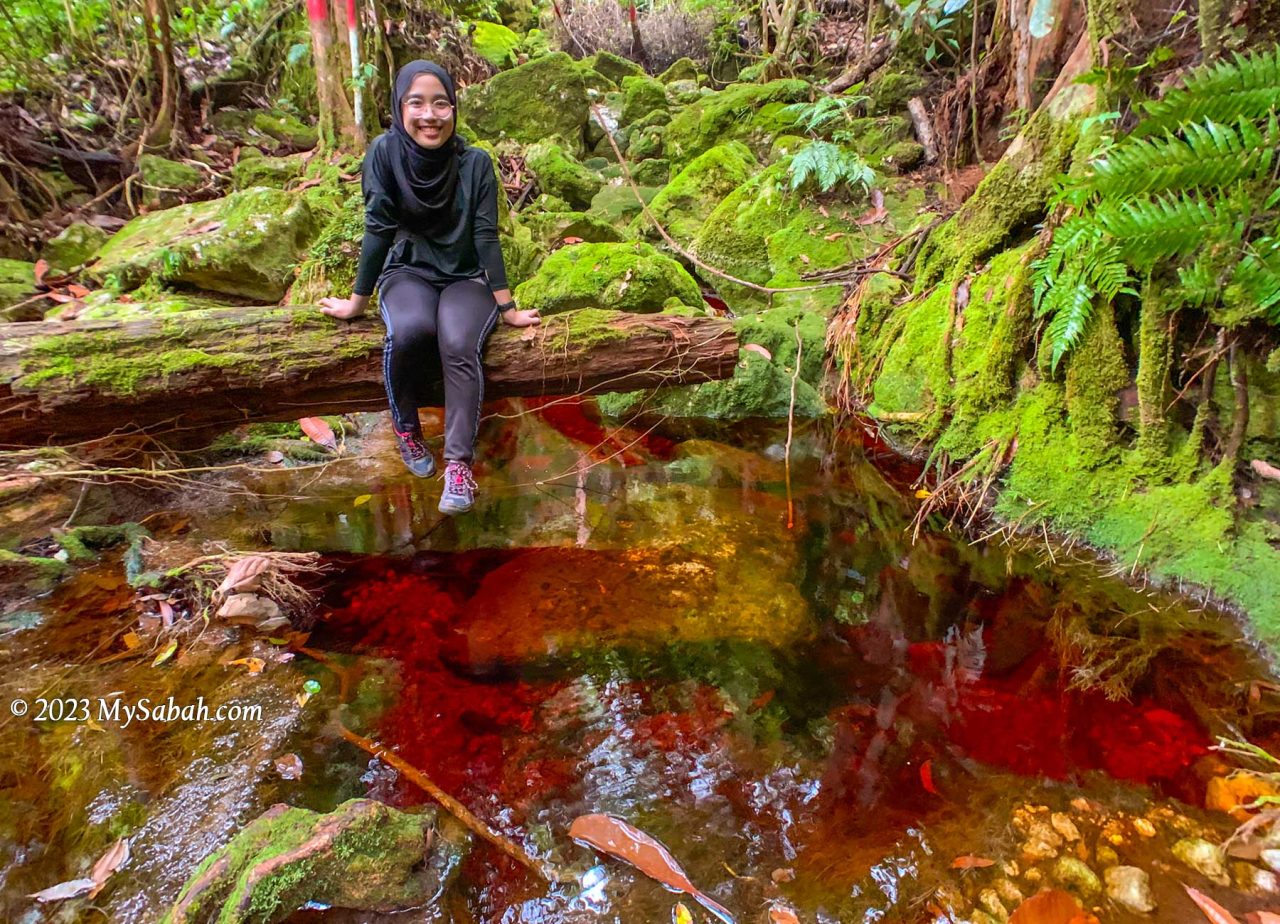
{"x": 426, "y": 112}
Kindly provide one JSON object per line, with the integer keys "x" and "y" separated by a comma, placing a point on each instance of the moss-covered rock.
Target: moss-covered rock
{"x": 29, "y": 574}
{"x": 560, "y": 174}
{"x": 641, "y": 95}
{"x": 759, "y": 387}
{"x": 287, "y": 129}
{"x": 683, "y": 92}
{"x": 166, "y": 182}
{"x": 680, "y": 69}
{"x": 617, "y": 203}
{"x": 246, "y": 244}
{"x": 875, "y": 136}
{"x": 624, "y": 277}
{"x": 646, "y": 143}
{"x": 494, "y": 42}
{"x": 684, "y": 203}
{"x": 654, "y": 171}
{"x": 902, "y": 157}
{"x": 103, "y": 304}
{"x": 363, "y": 855}
{"x": 747, "y": 112}
{"x": 74, "y": 246}
{"x": 890, "y": 91}
{"x": 276, "y": 172}
{"x": 786, "y": 146}
{"x": 552, "y": 228}
{"x": 543, "y": 98}
{"x": 17, "y": 281}
{"x": 614, "y": 67}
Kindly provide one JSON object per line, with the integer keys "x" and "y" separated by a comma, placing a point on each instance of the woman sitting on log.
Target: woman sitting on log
{"x": 431, "y": 248}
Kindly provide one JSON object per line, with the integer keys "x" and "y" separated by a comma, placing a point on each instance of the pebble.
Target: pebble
{"x": 1009, "y": 893}
{"x": 1077, "y": 875}
{"x": 1144, "y": 827}
{"x": 1107, "y": 856}
{"x": 1253, "y": 880}
{"x": 1271, "y": 857}
{"x": 1203, "y": 857}
{"x": 1130, "y": 888}
{"x": 1065, "y": 827}
{"x": 990, "y": 902}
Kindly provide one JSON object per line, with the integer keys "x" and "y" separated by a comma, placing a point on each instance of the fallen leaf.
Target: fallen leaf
{"x": 60, "y": 297}
{"x": 1212, "y": 910}
{"x": 783, "y": 875}
{"x": 877, "y": 213}
{"x": 307, "y": 184}
{"x": 248, "y": 608}
{"x": 41, "y": 268}
{"x": 1051, "y": 907}
{"x": 319, "y": 432}
{"x": 926, "y": 778}
{"x": 573, "y": 240}
{"x": 362, "y": 500}
{"x": 245, "y": 575}
{"x": 63, "y": 890}
{"x": 922, "y": 493}
{"x": 781, "y": 914}
{"x": 77, "y": 290}
{"x": 834, "y": 236}
{"x": 166, "y": 613}
{"x": 115, "y": 857}
{"x": 969, "y": 861}
{"x": 804, "y": 258}
{"x": 289, "y": 766}
{"x": 681, "y": 914}
{"x": 757, "y": 348}
{"x": 1230, "y": 793}
{"x": 255, "y": 665}
{"x": 619, "y": 839}
{"x": 1265, "y": 470}
{"x": 131, "y": 640}
{"x": 1262, "y": 917}
{"x": 165, "y": 654}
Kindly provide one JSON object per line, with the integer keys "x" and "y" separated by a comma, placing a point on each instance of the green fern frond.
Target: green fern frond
{"x": 1257, "y": 277}
{"x": 829, "y": 165}
{"x": 1207, "y": 155}
{"x": 1166, "y": 226}
{"x": 1199, "y": 284}
{"x": 1247, "y": 87}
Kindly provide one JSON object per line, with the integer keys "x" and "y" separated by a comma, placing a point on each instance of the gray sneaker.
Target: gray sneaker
{"x": 417, "y": 457}
{"x": 459, "y": 488}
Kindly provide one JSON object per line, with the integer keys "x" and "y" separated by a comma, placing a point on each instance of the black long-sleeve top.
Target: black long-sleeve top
{"x": 468, "y": 250}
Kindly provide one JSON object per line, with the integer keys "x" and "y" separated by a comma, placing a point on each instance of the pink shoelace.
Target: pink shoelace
{"x": 417, "y": 448}
{"x": 458, "y": 477}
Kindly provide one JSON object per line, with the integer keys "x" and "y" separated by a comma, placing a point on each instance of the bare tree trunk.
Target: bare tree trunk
{"x": 167, "y": 88}
{"x": 637, "y": 44}
{"x": 924, "y": 128}
{"x": 790, "y": 9}
{"x": 353, "y": 40}
{"x": 337, "y": 121}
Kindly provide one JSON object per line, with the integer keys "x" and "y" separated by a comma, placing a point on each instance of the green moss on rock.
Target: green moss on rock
{"x": 494, "y": 42}
{"x": 681, "y": 69}
{"x": 626, "y": 277}
{"x": 246, "y": 244}
{"x": 641, "y": 95}
{"x": 613, "y": 67}
{"x": 889, "y": 91}
{"x": 167, "y": 182}
{"x": 655, "y": 171}
{"x": 74, "y": 246}
{"x": 617, "y": 203}
{"x": 276, "y": 172}
{"x": 559, "y": 174}
{"x": 732, "y": 113}
{"x": 551, "y": 228}
{"x": 543, "y": 98}
{"x": 684, "y": 204}
{"x": 17, "y": 281}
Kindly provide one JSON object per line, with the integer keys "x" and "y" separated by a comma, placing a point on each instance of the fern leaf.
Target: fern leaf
{"x": 1246, "y": 87}
{"x": 1166, "y": 226}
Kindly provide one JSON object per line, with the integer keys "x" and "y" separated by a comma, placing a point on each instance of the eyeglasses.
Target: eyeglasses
{"x": 440, "y": 108}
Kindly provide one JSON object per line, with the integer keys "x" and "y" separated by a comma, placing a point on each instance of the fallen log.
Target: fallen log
{"x": 196, "y": 371}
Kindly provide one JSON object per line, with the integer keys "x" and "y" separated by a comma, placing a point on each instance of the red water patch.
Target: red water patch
{"x": 576, "y": 419}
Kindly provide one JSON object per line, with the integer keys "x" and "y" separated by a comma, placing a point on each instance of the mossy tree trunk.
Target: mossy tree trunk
{"x": 337, "y": 124}
{"x": 216, "y": 368}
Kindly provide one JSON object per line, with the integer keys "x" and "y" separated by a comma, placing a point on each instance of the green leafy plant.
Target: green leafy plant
{"x": 826, "y": 166}
{"x": 1191, "y": 193}
{"x": 825, "y": 114}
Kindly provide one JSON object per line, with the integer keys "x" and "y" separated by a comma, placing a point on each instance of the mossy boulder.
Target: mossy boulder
{"x": 759, "y": 387}
{"x": 617, "y": 203}
{"x": 890, "y": 91}
{"x": 103, "y": 304}
{"x": 654, "y": 171}
{"x": 681, "y": 69}
{"x": 74, "y": 246}
{"x": 265, "y": 171}
{"x": 614, "y": 67}
{"x": 684, "y": 203}
{"x": 551, "y": 228}
{"x": 287, "y": 129}
{"x": 747, "y": 112}
{"x": 17, "y": 281}
{"x": 683, "y": 92}
{"x": 494, "y": 42}
{"x": 28, "y": 575}
{"x": 623, "y": 277}
{"x": 246, "y": 244}
{"x": 166, "y": 182}
{"x": 641, "y": 95}
{"x": 560, "y": 174}
{"x": 538, "y": 100}
{"x": 363, "y": 855}
{"x": 646, "y": 143}
{"x": 786, "y": 146}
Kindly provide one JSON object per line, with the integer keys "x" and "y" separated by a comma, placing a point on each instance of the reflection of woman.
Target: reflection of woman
{"x": 431, "y": 247}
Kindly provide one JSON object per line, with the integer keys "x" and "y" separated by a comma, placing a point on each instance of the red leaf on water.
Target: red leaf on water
{"x": 969, "y": 861}
{"x": 42, "y": 267}
{"x": 1212, "y": 910}
{"x": 926, "y": 778}
{"x": 319, "y": 432}
{"x": 1051, "y": 907}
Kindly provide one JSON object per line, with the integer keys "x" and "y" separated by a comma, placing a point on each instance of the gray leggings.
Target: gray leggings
{"x": 435, "y": 333}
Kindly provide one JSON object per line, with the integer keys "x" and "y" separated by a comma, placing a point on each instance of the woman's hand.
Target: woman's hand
{"x": 344, "y": 308}
{"x": 517, "y": 317}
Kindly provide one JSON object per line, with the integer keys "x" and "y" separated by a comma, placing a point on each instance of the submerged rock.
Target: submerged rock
{"x": 1130, "y": 888}
{"x": 623, "y": 277}
{"x": 246, "y": 244}
{"x": 363, "y": 855}
{"x": 1203, "y": 857}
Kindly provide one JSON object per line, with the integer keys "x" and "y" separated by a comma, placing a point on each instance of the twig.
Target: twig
{"x": 791, "y": 419}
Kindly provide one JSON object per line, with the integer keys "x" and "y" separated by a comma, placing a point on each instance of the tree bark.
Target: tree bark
{"x": 337, "y": 121}
{"x": 168, "y": 93}
{"x": 216, "y": 368}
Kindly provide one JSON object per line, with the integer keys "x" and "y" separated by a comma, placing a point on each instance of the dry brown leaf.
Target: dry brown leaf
{"x": 877, "y": 213}
{"x": 115, "y": 857}
{"x": 245, "y": 575}
{"x": 319, "y": 432}
{"x": 804, "y": 258}
{"x": 1212, "y": 910}
{"x": 77, "y": 290}
{"x": 1265, "y": 469}
{"x": 781, "y": 914}
{"x": 166, "y": 613}
{"x": 249, "y": 608}
{"x": 757, "y": 348}
{"x": 1051, "y": 907}
{"x": 969, "y": 861}
{"x": 255, "y": 665}
{"x": 63, "y": 890}
{"x": 1262, "y": 917}
{"x": 41, "y": 269}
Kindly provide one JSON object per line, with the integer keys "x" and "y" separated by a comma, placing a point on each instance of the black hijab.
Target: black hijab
{"x": 425, "y": 178}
